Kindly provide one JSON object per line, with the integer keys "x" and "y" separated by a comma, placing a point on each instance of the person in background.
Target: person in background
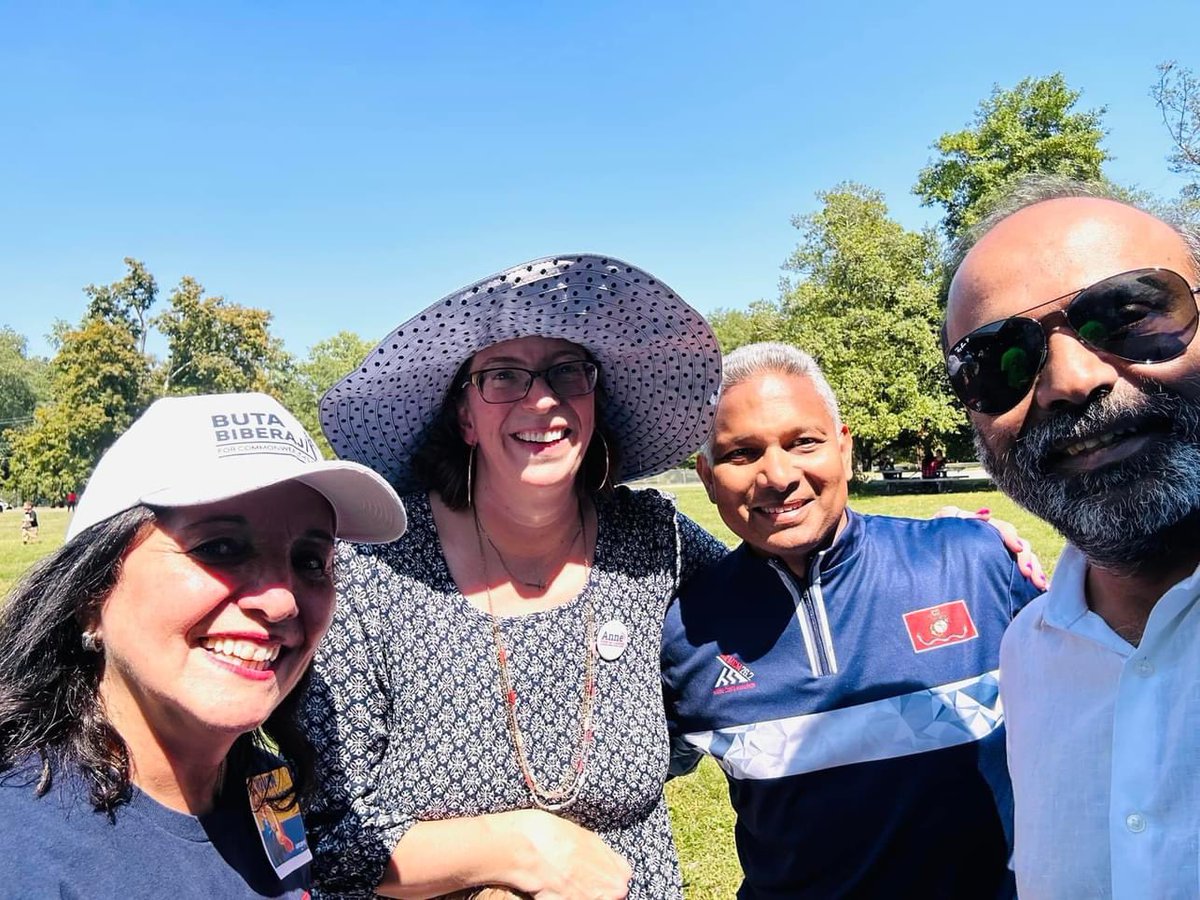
{"x": 149, "y": 668}
{"x": 488, "y": 706}
{"x": 1070, "y": 338}
{"x": 29, "y": 523}
{"x": 934, "y": 464}
{"x": 939, "y": 463}
{"x": 927, "y": 465}
{"x": 841, "y": 668}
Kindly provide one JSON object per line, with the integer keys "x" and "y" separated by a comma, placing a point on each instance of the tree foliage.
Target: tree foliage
{"x": 1032, "y": 127}
{"x": 215, "y": 346}
{"x": 23, "y": 379}
{"x": 1177, "y": 95}
{"x": 100, "y": 378}
{"x": 866, "y": 307}
{"x": 867, "y": 310}
{"x": 96, "y": 382}
{"x": 735, "y": 327}
{"x": 127, "y": 301}
{"x": 327, "y": 362}
{"x": 24, "y": 382}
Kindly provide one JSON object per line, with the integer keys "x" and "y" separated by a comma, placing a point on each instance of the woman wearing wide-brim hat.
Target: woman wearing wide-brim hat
{"x": 488, "y": 704}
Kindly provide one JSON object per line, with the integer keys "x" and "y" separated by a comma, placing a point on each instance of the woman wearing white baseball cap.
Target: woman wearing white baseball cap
{"x": 149, "y": 669}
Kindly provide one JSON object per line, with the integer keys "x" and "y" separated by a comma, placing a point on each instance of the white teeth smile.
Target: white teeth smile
{"x": 1102, "y": 440}
{"x": 244, "y": 653}
{"x": 778, "y": 510}
{"x": 542, "y": 437}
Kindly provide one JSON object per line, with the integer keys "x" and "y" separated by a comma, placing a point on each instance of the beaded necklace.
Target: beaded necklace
{"x": 567, "y": 792}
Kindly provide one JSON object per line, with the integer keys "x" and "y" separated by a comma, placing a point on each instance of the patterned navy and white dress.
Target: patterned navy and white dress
{"x": 407, "y": 718}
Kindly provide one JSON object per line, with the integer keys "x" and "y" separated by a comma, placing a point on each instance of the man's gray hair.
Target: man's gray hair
{"x": 773, "y": 358}
{"x": 1038, "y": 188}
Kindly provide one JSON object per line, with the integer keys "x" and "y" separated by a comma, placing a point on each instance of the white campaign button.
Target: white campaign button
{"x": 612, "y": 639}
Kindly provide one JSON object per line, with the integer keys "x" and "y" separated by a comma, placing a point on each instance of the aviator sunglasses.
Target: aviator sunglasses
{"x": 504, "y": 384}
{"x": 1143, "y": 316}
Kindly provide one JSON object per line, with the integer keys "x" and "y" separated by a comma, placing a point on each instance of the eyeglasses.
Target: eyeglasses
{"x": 1143, "y": 316}
{"x": 506, "y": 384}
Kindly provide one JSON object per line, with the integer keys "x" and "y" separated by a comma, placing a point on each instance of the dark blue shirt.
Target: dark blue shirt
{"x": 855, "y": 711}
{"x": 59, "y": 846}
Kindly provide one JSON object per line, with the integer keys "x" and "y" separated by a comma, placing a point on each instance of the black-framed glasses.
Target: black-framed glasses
{"x": 1142, "y": 316}
{"x": 505, "y": 384}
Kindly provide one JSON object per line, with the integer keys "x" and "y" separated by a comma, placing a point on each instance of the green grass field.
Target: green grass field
{"x": 16, "y": 557}
{"x": 699, "y": 803}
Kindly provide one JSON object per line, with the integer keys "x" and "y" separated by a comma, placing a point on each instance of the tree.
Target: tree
{"x": 215, "y": 346}
{"x": 127, "y": 301}
{"x": 735, "y": 328}
{"x": 1177, "y": 95}
{"x": 1030, "y": 128}
{"x": 23, "y": 384}
{"x": 96, "y": 381}
{"x": 867, "y": 310}
{"x": 328, "y": 362}
{"x": 23, "y": 380}
{"x": 99, "y": 380}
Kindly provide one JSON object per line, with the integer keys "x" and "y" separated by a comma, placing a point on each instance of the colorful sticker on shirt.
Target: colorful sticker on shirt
{"x": 735, "y": 675}
{"x": 940, "y": 626}
{"x": 281, "y": 830}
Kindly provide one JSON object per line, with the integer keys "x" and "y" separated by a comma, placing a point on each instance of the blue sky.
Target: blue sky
{"x": 344, "y": 165}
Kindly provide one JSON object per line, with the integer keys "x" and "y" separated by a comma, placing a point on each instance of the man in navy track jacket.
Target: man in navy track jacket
{"x": 842, "y": 669}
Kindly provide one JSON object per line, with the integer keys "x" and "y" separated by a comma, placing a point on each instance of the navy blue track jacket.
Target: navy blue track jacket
{"x": 855, "y": 712}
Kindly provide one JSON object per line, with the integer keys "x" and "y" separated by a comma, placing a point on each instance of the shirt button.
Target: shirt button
{"x": 1144, "y": 667}
{"x": 1135, "y": 822}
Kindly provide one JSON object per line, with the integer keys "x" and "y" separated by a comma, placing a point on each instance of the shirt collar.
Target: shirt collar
{"x": 844, "y": 547}
{"x": 1066, "y": 602}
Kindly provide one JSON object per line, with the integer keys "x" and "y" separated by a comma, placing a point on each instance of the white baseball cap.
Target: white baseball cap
{"x": 187, "y": 451}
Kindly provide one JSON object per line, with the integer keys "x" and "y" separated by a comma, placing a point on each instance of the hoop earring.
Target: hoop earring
{"x": 604, "y": 441}
{"x": 470, "y": 486}
{"x": 90, "y": 641}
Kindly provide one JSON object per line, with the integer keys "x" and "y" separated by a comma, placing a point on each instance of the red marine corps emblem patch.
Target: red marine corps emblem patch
{"x": 940, "y": 626}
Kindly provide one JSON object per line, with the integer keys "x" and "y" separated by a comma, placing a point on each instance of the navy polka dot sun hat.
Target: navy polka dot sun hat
{"x": 660, "y": 365}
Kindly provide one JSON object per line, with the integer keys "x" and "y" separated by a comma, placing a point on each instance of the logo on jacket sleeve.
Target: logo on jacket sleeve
{"x": 940, "y": 626}
{"x": 735, "y": 675}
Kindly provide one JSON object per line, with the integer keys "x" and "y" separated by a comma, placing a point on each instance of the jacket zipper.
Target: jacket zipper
{"x": 806, "y": 602}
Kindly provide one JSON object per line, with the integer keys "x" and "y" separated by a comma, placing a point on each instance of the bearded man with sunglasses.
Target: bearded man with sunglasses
{"x": 1070, "y": 337}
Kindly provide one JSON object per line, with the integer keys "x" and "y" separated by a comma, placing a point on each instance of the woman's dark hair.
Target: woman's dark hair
{"x": 49, "y": 684}
{"x": 443, "y": 457}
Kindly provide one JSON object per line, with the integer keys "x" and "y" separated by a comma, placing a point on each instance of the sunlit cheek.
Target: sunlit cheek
{"x": 730, "y": 491}
{"x": 204, "y": 589}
